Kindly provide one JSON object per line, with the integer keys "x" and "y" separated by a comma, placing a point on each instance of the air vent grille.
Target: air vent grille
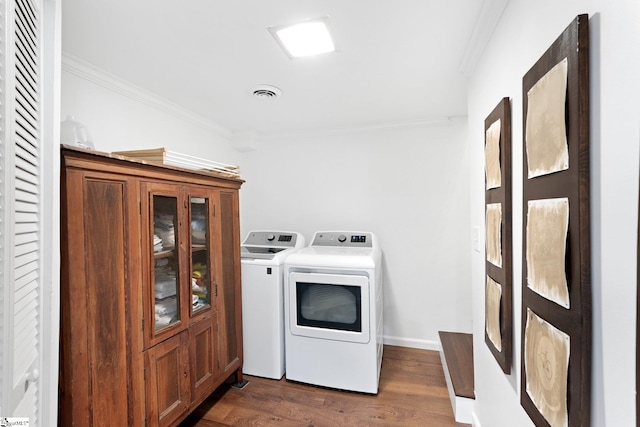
{"x": 266, "y": 92}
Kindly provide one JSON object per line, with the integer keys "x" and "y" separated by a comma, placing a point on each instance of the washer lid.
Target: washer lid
{"x": 259, "y": 252}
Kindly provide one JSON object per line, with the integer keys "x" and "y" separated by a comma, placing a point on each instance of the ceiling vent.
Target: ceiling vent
{"x": 266, "y": 92}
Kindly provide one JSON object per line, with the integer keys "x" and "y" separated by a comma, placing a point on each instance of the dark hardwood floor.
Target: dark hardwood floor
{"x": 413, "y": 392}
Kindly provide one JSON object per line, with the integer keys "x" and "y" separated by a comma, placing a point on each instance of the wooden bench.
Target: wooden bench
{"x": 457, "y": 361}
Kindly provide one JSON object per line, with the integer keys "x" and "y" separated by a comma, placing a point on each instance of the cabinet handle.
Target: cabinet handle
{"x": 185, "y": 374}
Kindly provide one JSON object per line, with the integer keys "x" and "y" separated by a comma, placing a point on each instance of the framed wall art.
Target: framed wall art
{"x": 556, "y": 272}
{"x": 498, "y": 264}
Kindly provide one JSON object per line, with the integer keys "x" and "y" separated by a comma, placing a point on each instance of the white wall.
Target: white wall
{"x": 408, "y": 186}
{"x": 525, "y": 31}
{"x": 122, "y": 117}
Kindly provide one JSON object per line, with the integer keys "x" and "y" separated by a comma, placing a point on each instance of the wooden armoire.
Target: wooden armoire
{"x": 151, "y": 318}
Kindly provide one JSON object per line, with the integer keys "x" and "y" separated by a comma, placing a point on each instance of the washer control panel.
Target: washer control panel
{"x": 271, "y": 238}
{"x": 343, "y": 239}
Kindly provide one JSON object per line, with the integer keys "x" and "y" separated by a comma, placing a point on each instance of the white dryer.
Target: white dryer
{"x": 333, "y": 312}
{"x": 262, "y": 260}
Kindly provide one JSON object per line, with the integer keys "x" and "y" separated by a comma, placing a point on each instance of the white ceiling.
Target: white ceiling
{"x": 397, "y": 62}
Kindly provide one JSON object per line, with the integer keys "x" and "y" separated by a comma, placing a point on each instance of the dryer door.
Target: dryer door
{"x": 329, "y": 306}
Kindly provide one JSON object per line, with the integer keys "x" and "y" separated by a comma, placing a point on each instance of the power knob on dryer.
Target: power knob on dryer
{"x": 270, "y": 237}
{"x": 342, "y": 238}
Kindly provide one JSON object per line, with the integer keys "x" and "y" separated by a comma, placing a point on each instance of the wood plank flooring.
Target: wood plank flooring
{"x": 412, "y": 392}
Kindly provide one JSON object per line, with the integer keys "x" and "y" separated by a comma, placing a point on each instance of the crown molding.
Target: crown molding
{"x": 239, "y": 140}
{"x": 84, "y": 70}
{"x": 486, "y": 23}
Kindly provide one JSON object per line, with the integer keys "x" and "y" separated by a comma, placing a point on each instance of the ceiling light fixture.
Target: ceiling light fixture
{"x": 306, "y": 38}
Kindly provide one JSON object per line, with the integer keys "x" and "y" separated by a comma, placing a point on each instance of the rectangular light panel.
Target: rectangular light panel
{"x": 306, "y": 38}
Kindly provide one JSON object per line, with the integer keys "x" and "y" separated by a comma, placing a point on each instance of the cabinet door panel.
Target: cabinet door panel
{"x": 168, "y": 385}
{"x": 202, "y": 346}
{"x": 96, "y": 278}
{"x": 229, "y": 302}
{"x": 104, "y": 234}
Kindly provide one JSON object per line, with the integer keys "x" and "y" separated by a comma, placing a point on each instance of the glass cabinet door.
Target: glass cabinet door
{"x": 200, "y": 254}
{"x": 166, "y": 274}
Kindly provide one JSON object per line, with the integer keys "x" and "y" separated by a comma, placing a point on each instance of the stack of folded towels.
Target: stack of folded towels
{"x": 157, "y": 243}
{"x": 163, "y": 228}
{"x": 165, "y": 294}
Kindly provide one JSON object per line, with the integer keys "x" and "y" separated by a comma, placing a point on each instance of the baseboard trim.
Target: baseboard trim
{"x": 411, "y": 343}
{"x": 475, "y": 422}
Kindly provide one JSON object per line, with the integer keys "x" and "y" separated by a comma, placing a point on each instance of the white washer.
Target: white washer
{"x": 333, "y": 312}
{"x": 262, "y": 258}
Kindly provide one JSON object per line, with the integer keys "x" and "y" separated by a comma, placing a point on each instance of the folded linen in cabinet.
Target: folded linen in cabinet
{"x": 165, "y": 311}
{"x": 157, "y": 243}
{"x": 161, "y": 294}
{"x": 168, "y": 238}
{"x": 165, "y": 285}
{"x": 163, "y": 221}
{"x": 164, "y": 229}
{"x": 166, "y": 306}
{"x": 198, "y": 237}
{"x": 164, "y": 320}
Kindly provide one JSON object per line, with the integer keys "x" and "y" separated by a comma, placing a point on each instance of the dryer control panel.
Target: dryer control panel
{"x": 343, "y": 239}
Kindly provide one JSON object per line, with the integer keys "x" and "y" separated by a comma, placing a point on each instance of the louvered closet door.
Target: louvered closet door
{"x": 22, "y": 250}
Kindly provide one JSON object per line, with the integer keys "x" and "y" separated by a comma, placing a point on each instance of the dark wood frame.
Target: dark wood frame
{"x": 502, "y": 275}
{"x": 573, "y": 184}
